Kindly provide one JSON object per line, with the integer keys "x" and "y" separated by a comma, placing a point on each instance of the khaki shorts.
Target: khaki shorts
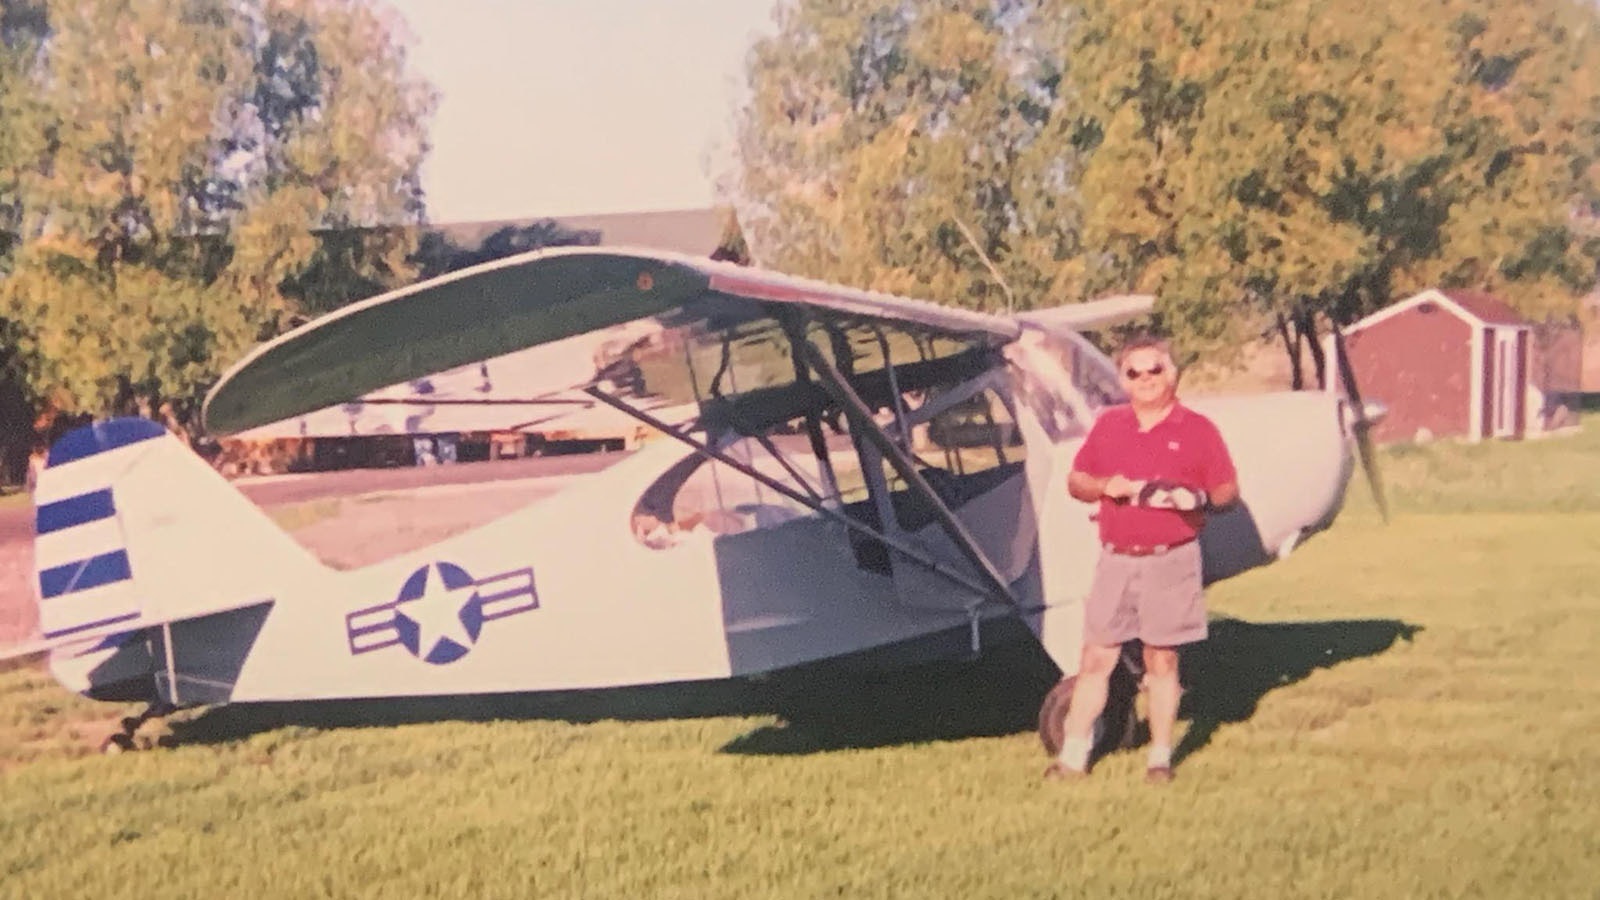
{"x": 1157, "y": 599}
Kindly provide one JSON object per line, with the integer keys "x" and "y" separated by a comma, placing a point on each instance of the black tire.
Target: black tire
{"x": 1119, "y": 722}
{"x": 1053, "y": 715}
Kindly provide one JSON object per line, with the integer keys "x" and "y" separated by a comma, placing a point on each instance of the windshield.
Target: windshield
{"x": 1064, "y": 379}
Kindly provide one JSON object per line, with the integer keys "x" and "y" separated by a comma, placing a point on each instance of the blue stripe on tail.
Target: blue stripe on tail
{"x": 107, "y": 643}
{"x": 73, "y": 511}
{"x": 84, "y": 574}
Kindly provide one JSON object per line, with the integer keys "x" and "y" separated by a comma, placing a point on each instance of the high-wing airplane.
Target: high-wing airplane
{"x": 845, "y": 473}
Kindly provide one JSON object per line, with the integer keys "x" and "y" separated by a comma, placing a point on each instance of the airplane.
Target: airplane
{"x": 839, "y": 474}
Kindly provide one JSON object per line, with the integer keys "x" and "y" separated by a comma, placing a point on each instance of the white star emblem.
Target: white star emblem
{"x": 437, "y": 617}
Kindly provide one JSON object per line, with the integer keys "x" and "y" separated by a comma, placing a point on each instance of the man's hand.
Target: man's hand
{"x": 1120, "y": 488}
{"x": 1167, "y": 495}
{"x": 1090, "y": 489}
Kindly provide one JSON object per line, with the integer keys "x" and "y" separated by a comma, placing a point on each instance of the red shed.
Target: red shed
{"x": 1446, "y": 364}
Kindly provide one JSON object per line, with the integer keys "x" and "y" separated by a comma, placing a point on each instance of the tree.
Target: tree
{"x": 439, "y": 254}
{"x": 1263, "y": 163}
{"x": 178, "y": 186}
{"x": 22, "y": 30}
{"x": 894, "y": 145}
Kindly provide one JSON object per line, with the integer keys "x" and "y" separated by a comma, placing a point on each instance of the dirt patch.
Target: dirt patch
{"x": 19, "y": 615}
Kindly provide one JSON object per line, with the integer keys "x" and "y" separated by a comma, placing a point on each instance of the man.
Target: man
{"x": 1155, "y": 467}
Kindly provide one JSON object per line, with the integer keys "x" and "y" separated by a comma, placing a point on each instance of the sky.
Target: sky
{"x": 566, "y": 107}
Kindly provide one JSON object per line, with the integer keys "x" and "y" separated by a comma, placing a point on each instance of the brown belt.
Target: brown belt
{"x": 1139, "y": 550}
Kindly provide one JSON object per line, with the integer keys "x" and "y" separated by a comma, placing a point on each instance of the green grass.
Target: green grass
{"x": 1402, "y": 710}
{"x": 1550, "y": 475}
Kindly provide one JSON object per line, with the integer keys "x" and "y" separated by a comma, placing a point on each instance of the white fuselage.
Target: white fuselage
{"x": 566, "y": 594}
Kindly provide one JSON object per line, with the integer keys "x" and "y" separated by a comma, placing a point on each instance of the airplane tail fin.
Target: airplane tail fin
{"x": 134, "y": 530}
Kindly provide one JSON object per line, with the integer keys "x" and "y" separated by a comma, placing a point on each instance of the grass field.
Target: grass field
{"x": 1407, "y": 710}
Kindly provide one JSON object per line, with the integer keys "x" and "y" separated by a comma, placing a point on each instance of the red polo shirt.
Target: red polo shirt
{"x": 1185, "y": 447}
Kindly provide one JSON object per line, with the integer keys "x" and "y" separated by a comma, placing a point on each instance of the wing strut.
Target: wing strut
{"x": 710, "y": 452}
{"x": 861, "y": 419}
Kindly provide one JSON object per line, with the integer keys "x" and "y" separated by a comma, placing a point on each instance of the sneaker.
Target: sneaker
{"x": 1158, "y": 775}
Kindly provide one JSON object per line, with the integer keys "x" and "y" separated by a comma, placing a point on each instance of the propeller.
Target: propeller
{"x": 1361, "y": 423}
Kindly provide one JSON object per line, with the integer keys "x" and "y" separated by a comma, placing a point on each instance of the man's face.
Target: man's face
{"x": 1150, "y": 377}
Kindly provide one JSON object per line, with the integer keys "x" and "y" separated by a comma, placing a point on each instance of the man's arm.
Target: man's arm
{"x": 1086, "y": 487}
{"x": 1221, "y": 479}
{"x": 1091, "y": 488}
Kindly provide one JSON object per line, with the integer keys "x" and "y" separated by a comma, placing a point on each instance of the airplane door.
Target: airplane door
{"x": 1067, "y": 542}
{"x": 1060, "y": 382}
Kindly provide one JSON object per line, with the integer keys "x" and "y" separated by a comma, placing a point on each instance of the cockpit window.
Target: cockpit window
{"x": 1094, "y": 375}
{"x": 1063, "y": 379}
{"x": 699, "y": 496}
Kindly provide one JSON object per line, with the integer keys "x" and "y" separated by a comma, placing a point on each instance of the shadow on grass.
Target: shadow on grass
{"x": 1000, "y": 695}
{"x": 827, "y": 707}
{"x": 648, "y": 703}
{"x": 1228, "y": 674}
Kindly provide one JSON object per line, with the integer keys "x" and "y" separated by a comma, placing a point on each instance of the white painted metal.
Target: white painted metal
{"x": 566, "y": 593}
{"x": 1504, "y": 382}
{"x": 1477, "y": 381}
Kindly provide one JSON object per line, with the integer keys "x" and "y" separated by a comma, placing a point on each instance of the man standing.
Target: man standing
{"x": 1155, "y": 467}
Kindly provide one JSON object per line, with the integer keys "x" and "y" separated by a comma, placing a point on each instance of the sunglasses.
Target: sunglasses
{"x": 1134, "y": 374}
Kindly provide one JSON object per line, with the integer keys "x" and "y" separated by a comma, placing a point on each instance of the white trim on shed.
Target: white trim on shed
{"x": 1478, "y": 383}
{"x": 1437, "y": 296}
{"x": 1475, "y": 388}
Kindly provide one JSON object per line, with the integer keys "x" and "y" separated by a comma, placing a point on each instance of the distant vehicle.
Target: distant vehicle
{"x": 847, "y": 473}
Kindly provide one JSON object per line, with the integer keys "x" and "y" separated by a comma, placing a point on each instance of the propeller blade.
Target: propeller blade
{"x": 1369, "y": 464}
{"x": 1361, "y": 425}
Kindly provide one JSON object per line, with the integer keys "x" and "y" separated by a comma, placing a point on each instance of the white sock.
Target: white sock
{"x": 1160, "y": 758}
{"x": 1074, "y": 753}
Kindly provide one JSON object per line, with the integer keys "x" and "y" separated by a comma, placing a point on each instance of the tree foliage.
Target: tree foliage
{"x": 168, "y": 167}
{"x": 438, "y": 253}
{"x": 1283, "y": 158}
{"x": 1254, "y": 163}
{"x": 894, "y": 144}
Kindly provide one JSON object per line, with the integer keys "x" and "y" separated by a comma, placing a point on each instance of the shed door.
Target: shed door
{"x": 1504, "y": 383}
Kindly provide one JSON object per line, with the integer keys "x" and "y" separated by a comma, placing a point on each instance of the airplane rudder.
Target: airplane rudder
{"x": 132, "y": 525}
{"x": 82, "y": 570}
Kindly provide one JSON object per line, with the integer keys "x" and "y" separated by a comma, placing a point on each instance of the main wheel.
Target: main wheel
{"x": 1117, "y": 727}
{"x": 1053, "y": 715}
